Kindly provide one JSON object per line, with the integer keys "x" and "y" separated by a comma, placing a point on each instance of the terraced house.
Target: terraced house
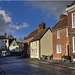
{"x": 41, "y": 42}
{"x": 64, "y": 34}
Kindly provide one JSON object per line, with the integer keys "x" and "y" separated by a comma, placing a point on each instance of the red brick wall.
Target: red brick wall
{"x": 27, "y": 46}
{"x": 71, "y": 34}
{"x": 63, "y": 41}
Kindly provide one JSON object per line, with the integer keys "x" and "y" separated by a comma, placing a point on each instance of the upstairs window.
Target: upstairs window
{"x": 73, "y": 20}
{"x": 58, "y": 48}
{"x": 31, "y": 44}
{"x": 73, "y": 44}
{"x": 67, "y": 31}
{"x": 58, "y": 34}
{"x": 35, "y": 43}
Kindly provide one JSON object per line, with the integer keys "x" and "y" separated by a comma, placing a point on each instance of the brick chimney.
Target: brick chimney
{"x": 5, "y": 34}
{"x": 62, "y": 16}
{"x": 15, "y": 39}
{"x": 24, "y": 38}
{"x": 41, "y": 26}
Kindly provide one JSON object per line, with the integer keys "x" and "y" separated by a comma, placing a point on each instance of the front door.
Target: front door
{"x": 67, "y": 48}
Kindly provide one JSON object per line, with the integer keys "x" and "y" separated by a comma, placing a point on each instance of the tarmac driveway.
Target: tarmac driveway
{"x": 15, "y": 65}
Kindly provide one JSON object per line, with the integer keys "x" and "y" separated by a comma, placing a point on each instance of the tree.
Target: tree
{"x": 10, "y": 36}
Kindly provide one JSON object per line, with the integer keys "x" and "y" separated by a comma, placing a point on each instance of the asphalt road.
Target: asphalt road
{"x": 17, "y": 66}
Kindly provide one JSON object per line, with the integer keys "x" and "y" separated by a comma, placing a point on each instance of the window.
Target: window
{"x": 32, "y": 44}
{"x": 67, "y": 31}
{"x": 73, "y": 44}
{"x": 58, "y": 48}
{"x": 58, "y": 34}
{"x": 35, "y": 43}
{"x": 35, "y": 51}
{"x": 31, "y": 51}
{"x": 73, "y": 20}
{"x": 13, "y": 44}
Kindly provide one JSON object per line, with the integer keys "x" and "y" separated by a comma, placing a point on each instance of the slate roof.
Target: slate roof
{"x": 61, "y": 23}
{"x": 39, "y": 34}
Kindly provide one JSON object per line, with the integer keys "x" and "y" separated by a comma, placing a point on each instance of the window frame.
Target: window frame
{"x": 73, "y": 45}
{"x": 35, "y": 43}
{"x": 57, "y": 48}
{"x": 31, "y": 44}
{"x": 36, "y": 51}
{"x": 67, "y": 32}
{"x": 58, "y": 34}
{"x": 72, "y": 21}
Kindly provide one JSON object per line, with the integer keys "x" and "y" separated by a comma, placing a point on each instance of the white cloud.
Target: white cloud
{"x": 55, "y": 7}
{"x": 6, "y": 24}
{"x": 24, "y": 25}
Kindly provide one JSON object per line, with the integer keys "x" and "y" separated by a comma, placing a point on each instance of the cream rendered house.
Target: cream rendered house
{"x": 42, "y": 43}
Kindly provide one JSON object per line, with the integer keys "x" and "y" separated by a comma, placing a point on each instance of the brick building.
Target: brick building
{"x": 64, "y": 34}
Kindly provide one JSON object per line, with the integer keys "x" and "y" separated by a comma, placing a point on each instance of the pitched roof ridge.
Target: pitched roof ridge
{"x": 59, "y": 22}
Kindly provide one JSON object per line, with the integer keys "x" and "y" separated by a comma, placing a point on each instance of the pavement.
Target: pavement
{"x": 27, "y": 66}
{"x": 70, "y": 65}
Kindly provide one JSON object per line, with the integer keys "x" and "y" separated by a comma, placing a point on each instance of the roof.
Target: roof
{"x": 73, "y": 3}
{"x": 32, "y": 34}
{"x": 10, "y": 41}
{"x": 2, "y": 37}
{"x": 61, "y": 23}
{"x": 40, "y": 34}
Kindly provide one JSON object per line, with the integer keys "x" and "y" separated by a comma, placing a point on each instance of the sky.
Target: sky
{"x": 20, "y": 17}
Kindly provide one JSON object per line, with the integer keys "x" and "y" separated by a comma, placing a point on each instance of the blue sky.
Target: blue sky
{"x": 20, "y": 18}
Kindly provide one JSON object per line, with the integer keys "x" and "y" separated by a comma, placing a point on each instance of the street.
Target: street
{"x": 15, "y": 65}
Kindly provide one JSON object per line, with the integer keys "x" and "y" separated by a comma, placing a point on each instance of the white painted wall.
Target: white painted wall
{"x": 13, "y": 48}
{"x": 4, "y": 42}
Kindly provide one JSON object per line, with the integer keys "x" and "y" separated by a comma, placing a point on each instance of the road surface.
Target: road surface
{"x": 15, "y": 65}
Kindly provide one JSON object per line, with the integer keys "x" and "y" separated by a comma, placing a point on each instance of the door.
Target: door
{"x": 67, "y": 48}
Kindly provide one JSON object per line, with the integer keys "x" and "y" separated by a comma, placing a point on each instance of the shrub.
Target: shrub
{"x": 68, "y": 57}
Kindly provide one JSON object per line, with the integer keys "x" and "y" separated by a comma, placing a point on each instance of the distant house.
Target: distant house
{"x": 64, "y": 35}
{"x": 4, "y": 45}
{"x": 13, "y": 46}
{"x": 8, "y": 45}
{"x": 40, "y": 42}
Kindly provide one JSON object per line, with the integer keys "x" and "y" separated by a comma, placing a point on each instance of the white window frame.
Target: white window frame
{"x": 35, "y": 43}
{"x": 36, "y": 51}
{"x": 58, "y": 34}
{"x": 73, "y": 45}
{"x": 57, "y": 48}
{"x": 31, "y": 51}
{"x": 31, "y": 44}
{"x": 67, "y": 32}
{"x": 72, "y": 20}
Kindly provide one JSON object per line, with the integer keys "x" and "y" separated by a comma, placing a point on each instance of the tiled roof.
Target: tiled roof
{"x": 61, "y": 23}
{"x": 2, "y": 37}
{"x": 40, "y": 34}
{"x": 32, "y": 34}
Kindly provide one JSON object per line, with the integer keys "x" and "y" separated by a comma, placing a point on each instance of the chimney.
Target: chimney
{"x": 41, "y": 26}
{"x": 5, "y": 34}
{"x": 15, "y": 39}
{"x": 24, "y": 38}
{"x": 62, "y": 16}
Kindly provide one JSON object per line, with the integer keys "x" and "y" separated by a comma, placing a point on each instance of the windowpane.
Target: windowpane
{"x": 58, "y": 48}
{"x": 73, "y": 17}
{"x": 58, "y": 34}
{"x": 35, "y": 51}
{"x": 35, "y": 43}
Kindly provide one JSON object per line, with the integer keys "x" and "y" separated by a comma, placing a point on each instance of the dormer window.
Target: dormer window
{"x": 73, "y": 20}
{"x": 58, "y": 34}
